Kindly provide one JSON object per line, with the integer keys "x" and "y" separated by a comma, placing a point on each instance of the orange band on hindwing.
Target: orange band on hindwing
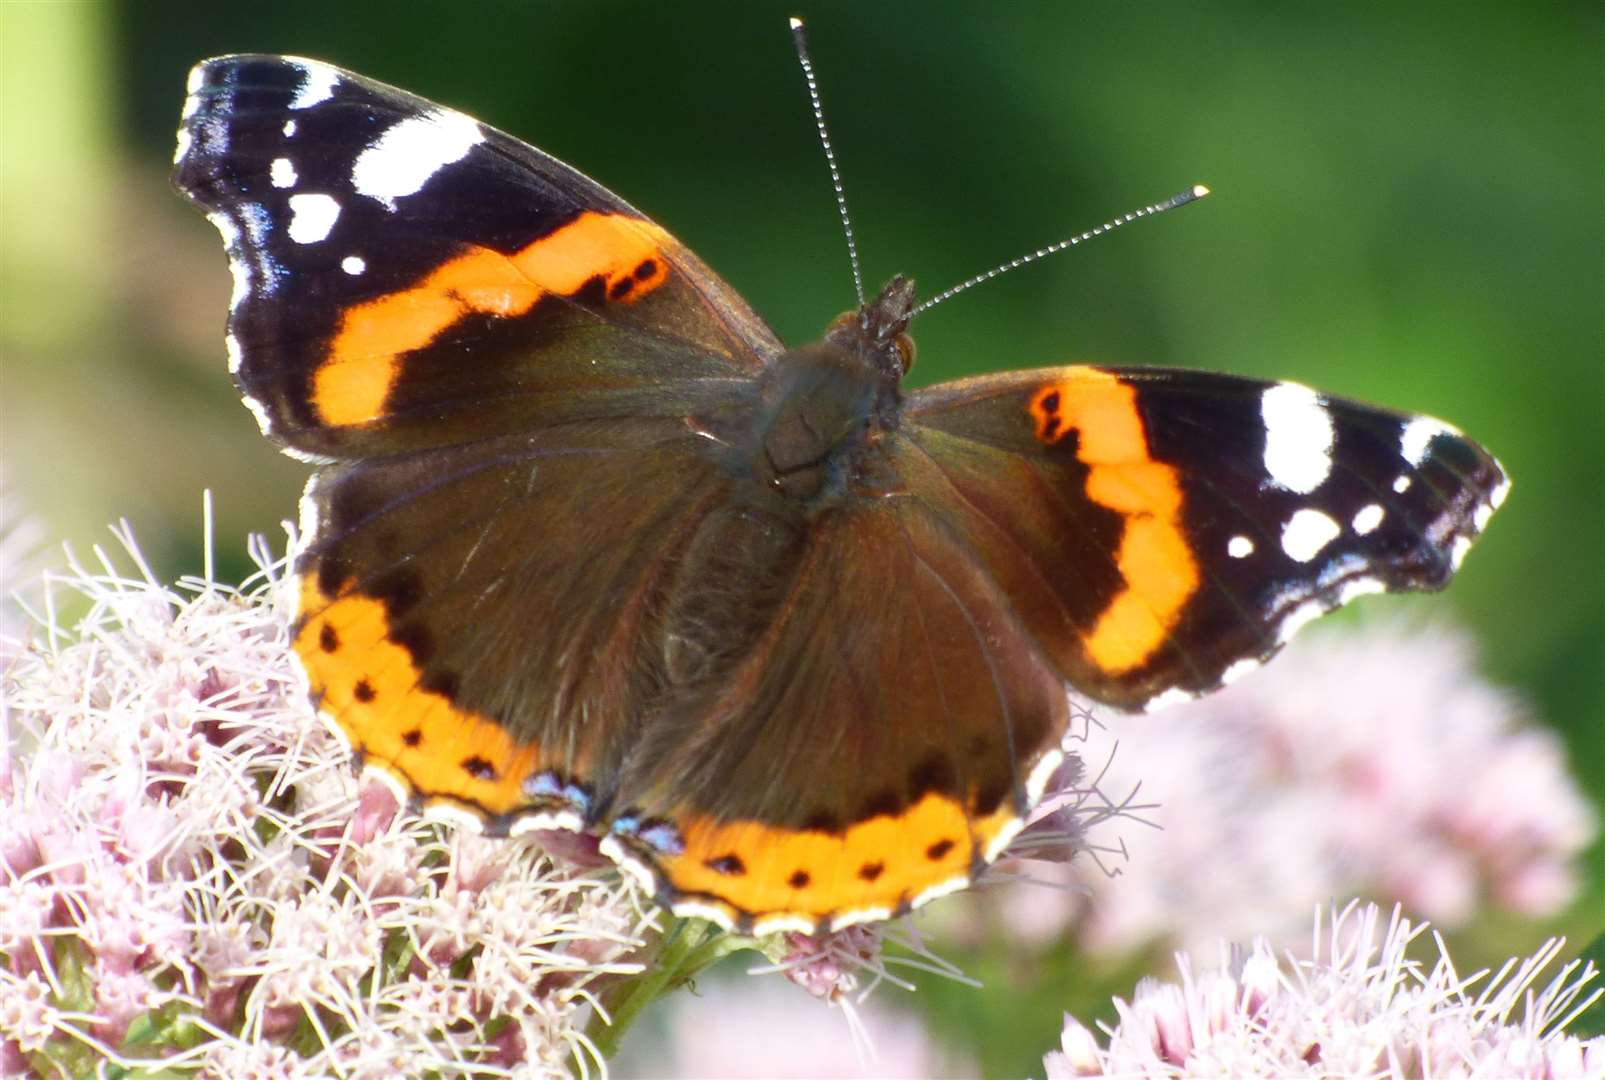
{"x": 369, "y": 685}
{"x": 878, "y": 865}
{"x": 366, "y": 356}
{"x": 1154, "y": 558}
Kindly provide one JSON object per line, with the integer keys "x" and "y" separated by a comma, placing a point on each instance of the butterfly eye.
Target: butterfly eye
{"x": 905, "y": 351}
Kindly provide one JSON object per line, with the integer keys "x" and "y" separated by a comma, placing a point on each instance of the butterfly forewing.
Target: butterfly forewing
{"x": 1164, "y": 531}
{"x": 407, "y": 277}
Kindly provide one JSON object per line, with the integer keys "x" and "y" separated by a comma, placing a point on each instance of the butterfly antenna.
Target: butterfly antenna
{"x": 799, "y": 38}
{"x": 1192, "y": 194}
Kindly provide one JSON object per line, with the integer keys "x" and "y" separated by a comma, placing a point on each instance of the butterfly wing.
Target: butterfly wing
{"x": 879, "y": 743}
{"x": 1163, "y": 532}
{"x": 405, "y": 276}
{"x": 495, "y": 363}
{"x": 1136, "y": 534}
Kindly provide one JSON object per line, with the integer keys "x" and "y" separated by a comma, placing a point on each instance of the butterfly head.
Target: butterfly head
{"x": 880, "y": 329}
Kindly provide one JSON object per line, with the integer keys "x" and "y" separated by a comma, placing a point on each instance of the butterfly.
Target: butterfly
{"x": 586, "y": 547}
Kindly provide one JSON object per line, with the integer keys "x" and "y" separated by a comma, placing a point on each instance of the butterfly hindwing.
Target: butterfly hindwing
{"x": 472, "y": 616}
{"x": 891, "y": 725}
{"x": 1164, "y": 531}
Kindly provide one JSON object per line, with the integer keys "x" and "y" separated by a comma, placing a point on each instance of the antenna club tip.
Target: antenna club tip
{"x": 795, "y": 23}
{"x": 1199, "y": 191}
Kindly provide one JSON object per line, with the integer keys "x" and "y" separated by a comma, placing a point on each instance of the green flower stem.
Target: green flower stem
{"x": 689, "y": 947}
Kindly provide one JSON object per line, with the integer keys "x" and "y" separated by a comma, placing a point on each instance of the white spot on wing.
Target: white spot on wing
{"x": 1173, "y": 696}
{"x": 1457, "y": 551}
{"x": 225, "y": 225}
{"x": 1418, "y": 435}
{"x": 1367, "y": 519}
{"x": 319, "y": 85}
{"x": 1239, "y": 547}
{"x": 642, "y": 873}
{"x": 697, "y": 909}
{"x": 192, "y": 86}
{"x": 850, "y": 918}
{"x": 239, "y": 269}
{"x": 1359, "y": 587}
{"x": 1003, "y": 839}
{"x": 1306, "y": 533}
{"x": 1481, "y": 516}
{"x": 1236, "y": 671}
{"x": 370, "y": 771}
{"x": 312, "y": 217}
{"x": 403, "y": 159}
{"x": 565, "y": 820}
{"x": 307, "y": 523}
{"x": 282, "y": 172}
{"x": 1298, "y": 436}
{"x": 264, "y": 422}
{"x": 184, "y": 140}
{"x": 940, "y": 889}
{"x": 289, "y": 129}
{"x": 1402, "y": 484}
{"x": 353, "y": 264}
{"x": 1496, "y": 497}
{"x": 1041, "y": 773}
{"x": 782, "y": 923}
{"x": 231, "y": 345}
{"x": 1298, "y": 619}
{"x": 443, "y": 810}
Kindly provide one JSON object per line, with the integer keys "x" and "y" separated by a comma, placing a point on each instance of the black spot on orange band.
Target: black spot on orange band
{"x": 756, "y": 870}
{"x": 371, "y": 686}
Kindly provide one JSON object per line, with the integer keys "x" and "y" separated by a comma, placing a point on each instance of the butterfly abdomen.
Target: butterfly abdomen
{"x": 731, "y": 577}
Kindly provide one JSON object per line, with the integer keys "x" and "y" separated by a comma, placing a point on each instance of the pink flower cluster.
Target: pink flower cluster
{"x": 1371, "y": 761}
{"x": 1358, "y": 1007}
{"x": 186, "y": 878}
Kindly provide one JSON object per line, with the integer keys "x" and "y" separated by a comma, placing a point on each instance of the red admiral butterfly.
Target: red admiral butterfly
{"x": 587, "y": 547}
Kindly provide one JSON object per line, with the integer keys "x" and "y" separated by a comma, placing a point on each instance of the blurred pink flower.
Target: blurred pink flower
{"x": 22, "y": 560}
{"x": 1372, "y": 761}
{"x": 735, "y": 1028}
{"x": 1359, "y": 1007}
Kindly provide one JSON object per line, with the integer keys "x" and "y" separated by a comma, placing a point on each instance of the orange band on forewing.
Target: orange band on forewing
{"x": 881, "y": 862}
{"x": 368, "y": 684}
{"x": 364, "y": 361}
{"x": 1154, "y": 558}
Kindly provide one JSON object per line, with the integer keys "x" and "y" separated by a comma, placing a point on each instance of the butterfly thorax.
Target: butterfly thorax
{"x": 822, "y": 406}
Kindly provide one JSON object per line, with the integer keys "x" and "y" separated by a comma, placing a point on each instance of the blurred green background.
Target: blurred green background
{"x": 1409, "y": 208}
